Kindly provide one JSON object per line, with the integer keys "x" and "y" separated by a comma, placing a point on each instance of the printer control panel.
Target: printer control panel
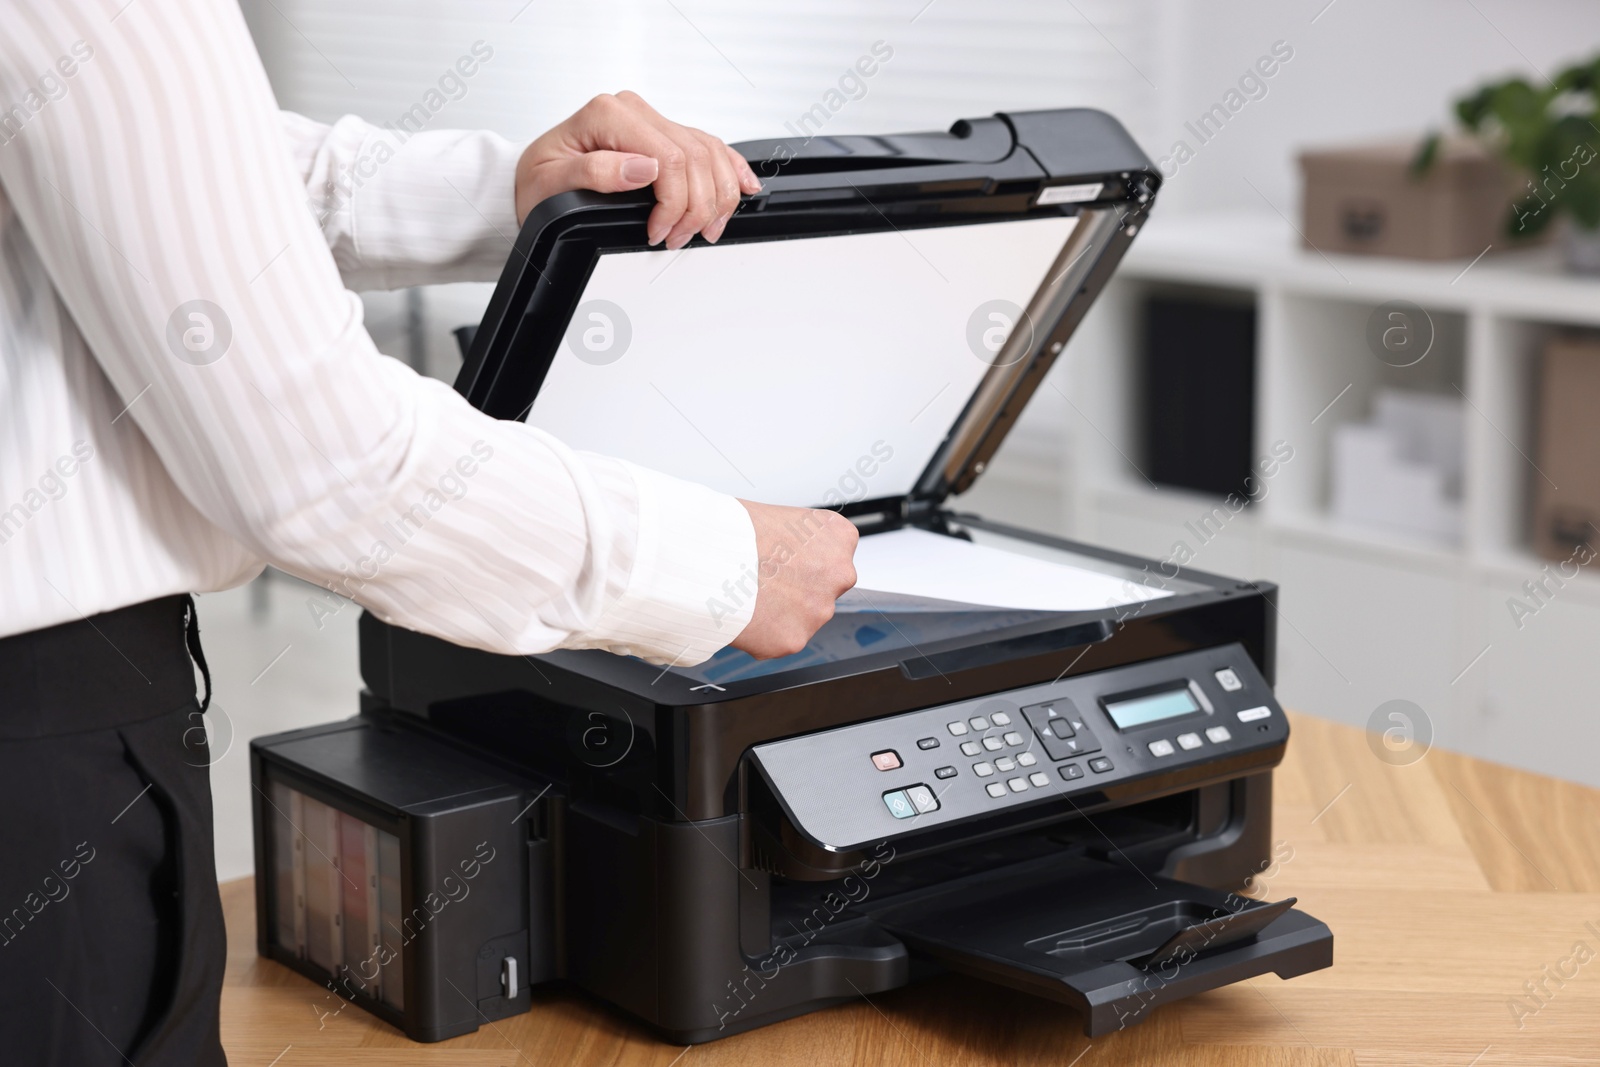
{"x": 854, "y": 785}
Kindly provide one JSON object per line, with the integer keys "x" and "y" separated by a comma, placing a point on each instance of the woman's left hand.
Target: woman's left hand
{"x": 616, "y": 143}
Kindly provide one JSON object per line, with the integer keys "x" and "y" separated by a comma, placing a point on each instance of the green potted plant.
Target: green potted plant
{"x": 1551, "y": 136}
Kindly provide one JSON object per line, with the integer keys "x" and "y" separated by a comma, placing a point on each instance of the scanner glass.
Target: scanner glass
{"x": 811, "y": 371}
{"x": 851, "y": 634}
{"x": 886, "y": 623}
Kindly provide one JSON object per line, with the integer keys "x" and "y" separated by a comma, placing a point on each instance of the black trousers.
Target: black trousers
{"x": 111, "y": 935}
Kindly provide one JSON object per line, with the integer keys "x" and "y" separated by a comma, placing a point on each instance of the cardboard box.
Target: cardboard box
{"x": 1566, "y": 515}
{"x": 1365, "y": 200}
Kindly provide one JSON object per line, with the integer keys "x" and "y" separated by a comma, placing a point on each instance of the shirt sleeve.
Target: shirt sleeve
{"x": 156, "y": 186}
{"x": 400, "y": 206}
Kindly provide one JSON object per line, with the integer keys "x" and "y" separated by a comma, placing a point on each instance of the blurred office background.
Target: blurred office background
{"x": 1402, "y": 527}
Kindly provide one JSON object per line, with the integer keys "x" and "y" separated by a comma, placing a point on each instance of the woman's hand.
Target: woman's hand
{"x": 805, "y": 565}
{"x": 617, "y": 143}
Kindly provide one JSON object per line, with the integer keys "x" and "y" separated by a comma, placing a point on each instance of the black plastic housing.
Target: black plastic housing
{"x": 684, "y": 909}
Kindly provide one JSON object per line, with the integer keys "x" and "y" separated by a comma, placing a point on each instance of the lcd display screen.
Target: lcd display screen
{"x": 1153, "y": 707}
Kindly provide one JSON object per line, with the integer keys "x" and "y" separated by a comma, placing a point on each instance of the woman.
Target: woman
{"x": 187, "y": 393}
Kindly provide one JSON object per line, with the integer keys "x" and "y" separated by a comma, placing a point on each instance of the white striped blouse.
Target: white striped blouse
{"x": 187, "y": 390}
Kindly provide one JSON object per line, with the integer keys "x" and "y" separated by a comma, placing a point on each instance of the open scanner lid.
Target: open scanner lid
{"x": 862, "y": 337}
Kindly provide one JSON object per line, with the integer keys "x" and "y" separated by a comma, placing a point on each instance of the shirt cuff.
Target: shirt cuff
{"x": 692, "y": 586}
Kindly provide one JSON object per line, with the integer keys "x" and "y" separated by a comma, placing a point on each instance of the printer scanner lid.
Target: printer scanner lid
{"x": 863, "y": 335}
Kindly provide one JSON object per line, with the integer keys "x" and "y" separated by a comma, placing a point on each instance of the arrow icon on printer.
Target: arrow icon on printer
{"x": 708, "y": 685}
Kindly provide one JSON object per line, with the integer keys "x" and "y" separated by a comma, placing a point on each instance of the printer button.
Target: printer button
{"x": 922, "y": 799}
{"x": 1039, "y": 778}
{"x": 1070, "y": 771}
{"x": 1000, "y": 718}
{"x": 1027, "y": 759}
{"x": 1218, "y": 734}
{"x": 1252, "y": 714}
{"x": 983, "y": 770}
{"x": 928, "y": 742}
{"x": 887, "y": 760}
{"x": 1189, "y": 741}
{"x": 1013, "y": 738}
{"x": 945, "y": 772}
{"x": 1087, "y": 742}
{"x": 1100, "y": 765}
{"x": 1049, "y": 719}
{"x": 995, "y": 789}
{"x": 978, "y": 722}
{"x": 956, "y": 728}
{"x": 993, "y": 744}
{"x": 1229, "y": 680}
{"x": 971, "y": 748}
{"x": 1017, "y": 785}
{"x": 1058, "y": 726}
{"x": 1081, "y": 744}
{"x": 899, "y": 804}
{"x": 1162, "y": 747}
{"x": 1005, "y": 763}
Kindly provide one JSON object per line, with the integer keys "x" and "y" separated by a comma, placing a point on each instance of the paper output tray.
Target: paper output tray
{"x": 1106, "y": 939}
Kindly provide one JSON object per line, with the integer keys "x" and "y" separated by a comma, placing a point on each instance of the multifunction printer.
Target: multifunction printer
{"x": 1040, "y": 763}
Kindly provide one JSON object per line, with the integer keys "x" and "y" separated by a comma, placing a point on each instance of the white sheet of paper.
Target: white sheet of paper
{"x": 816, "y": 372}
{"x": 914, "y": 563}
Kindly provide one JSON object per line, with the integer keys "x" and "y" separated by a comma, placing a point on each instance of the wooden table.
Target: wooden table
{"x": 1450, "y": 884}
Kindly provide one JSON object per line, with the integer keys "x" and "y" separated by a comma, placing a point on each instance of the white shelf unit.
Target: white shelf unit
{"x": 1367, "y": 615}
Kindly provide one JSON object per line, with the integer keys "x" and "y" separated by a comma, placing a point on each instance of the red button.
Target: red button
{"x": 887, "y": 760}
